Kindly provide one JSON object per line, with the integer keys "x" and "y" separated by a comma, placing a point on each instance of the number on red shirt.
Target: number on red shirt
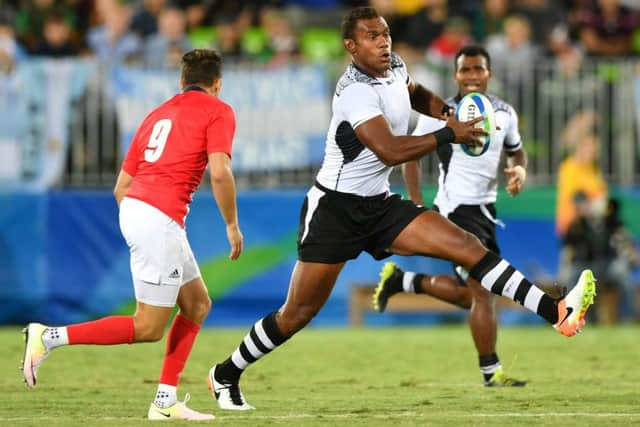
{"x": 157, "y": 140}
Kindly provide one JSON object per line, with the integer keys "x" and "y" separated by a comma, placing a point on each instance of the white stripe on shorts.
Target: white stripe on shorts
{"x": 313, "y": 196}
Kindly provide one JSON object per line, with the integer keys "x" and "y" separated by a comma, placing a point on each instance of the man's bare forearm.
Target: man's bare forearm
{"x": 223, "y": 187}
{"x": 426, "y": 102}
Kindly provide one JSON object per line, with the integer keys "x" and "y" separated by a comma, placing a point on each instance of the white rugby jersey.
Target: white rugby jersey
{"x": 472, "y": 180}
{"x": 348, "y": 165}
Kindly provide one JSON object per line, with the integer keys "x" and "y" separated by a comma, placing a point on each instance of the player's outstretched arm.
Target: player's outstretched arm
{"x": 393, "y": 150}
{"x": 223, "y": 187}
{"x": 122, "y": 185}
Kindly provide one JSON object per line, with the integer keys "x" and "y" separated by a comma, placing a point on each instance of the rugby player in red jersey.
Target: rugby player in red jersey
{"x": 164, "y": 166}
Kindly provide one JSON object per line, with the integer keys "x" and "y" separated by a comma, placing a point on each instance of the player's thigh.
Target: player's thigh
{"x": 310, "y": 286}
{"x": 433, "y": 235}
{"x": 159, "y": 253}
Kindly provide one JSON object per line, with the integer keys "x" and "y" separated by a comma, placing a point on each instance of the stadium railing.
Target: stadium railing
{"x": 71, "y": 121}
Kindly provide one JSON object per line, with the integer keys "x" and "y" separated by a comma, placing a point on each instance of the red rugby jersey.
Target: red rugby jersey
{"x": 169, "y": 152}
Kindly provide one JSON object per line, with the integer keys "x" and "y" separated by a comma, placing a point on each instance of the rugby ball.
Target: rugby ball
{"x": 474, "y": 105}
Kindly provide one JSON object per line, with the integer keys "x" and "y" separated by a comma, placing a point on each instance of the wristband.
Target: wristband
{"x": 444, "y": 136}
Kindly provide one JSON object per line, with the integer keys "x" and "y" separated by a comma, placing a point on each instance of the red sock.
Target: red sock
{"x": 182, "y": 335}
{"x": 106, "y": 331}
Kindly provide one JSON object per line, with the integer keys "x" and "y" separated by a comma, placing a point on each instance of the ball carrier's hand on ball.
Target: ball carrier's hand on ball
{"x": 466, "y": 132}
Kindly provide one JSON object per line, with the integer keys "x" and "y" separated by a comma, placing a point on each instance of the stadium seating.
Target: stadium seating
{"x": 321, "y": 44}
{"x": 203, "y": 37}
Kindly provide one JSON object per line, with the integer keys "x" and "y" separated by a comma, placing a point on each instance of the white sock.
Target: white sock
{"x": 166, "y": 396}
{"x": 55, "y": 337}
{"x": 407, "y": 281}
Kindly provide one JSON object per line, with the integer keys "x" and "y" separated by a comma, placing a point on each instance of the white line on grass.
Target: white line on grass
{"x": 366, "y": 415}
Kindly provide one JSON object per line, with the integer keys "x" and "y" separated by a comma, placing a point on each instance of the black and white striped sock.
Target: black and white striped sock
{"x": 501, "y": 278}
{"x": 263, "y": 338}
{"x": 489, "y": 364}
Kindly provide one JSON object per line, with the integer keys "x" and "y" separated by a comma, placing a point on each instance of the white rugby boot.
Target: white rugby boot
{"x": 177, "y": 411}
{"x": 228, "y": 395}
{"x": 34, "y": 352}
{"x": 573, "y": 307}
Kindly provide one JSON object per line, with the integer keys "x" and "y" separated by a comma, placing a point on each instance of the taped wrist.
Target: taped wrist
{"x": 521, "y": 172}
{"x": 444, "y": 136}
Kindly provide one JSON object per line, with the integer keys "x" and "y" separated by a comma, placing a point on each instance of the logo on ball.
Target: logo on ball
{"x": 473, "y": 105}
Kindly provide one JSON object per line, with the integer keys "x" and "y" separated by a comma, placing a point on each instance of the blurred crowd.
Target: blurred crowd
{"x": 156, "y": 32}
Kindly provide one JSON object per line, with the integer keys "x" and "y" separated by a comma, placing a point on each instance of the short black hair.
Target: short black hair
{"x": 201, "y": 66}
{"x": 472, "y": 50}
{"x": 350, "y": 20}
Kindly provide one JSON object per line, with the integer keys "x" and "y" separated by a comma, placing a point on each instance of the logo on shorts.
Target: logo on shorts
{"x": 175, "y": 274}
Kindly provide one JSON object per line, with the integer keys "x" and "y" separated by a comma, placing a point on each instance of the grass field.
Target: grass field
{"x": 341, "y": 377}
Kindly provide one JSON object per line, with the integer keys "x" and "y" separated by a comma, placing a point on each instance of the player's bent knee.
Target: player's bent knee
{"x": 471, "y": 249}
{"x": 472, "y": 243}
{"x": 199, "y": 310}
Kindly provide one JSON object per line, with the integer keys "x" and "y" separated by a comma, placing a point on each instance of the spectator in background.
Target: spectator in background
{"x": 455, "y": 35}
{"x": 166, "y": 47}
{"x": 57, "y": 40}
{"x": 282, "y": 42}
{"x": 197, "y": 13}
{"x": 229, "y": 40}
{"x": 567, "y": 55}
{"x": 232, "y": 10}
{"x": 543, "y": 16}
{"x": 606, "y": 29}
{"x": 10, "y": 50}
{"x": 145, "y": 20}
{"x": 495, "y": 12}
{"x": 515, "y": 55}
{"x": 472, "y": 12}
{"x": 414, "y": 33}
{"x": 580, "y": 171}
{"x": 112, "y": 41}
{"x": 597, "y": 238}
{"x": 31, "y": 17}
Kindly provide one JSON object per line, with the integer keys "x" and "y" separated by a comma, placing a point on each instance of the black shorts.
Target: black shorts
{"x": 470, "y": 218}
{"x": 336, "y": 227}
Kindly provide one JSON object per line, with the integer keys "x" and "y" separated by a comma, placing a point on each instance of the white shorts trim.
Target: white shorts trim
{"x": 161, "y": 257}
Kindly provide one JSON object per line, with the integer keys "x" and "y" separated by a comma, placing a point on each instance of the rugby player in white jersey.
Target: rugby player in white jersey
{"x": 350, "y": 209}
{"x": 467, "y": 189}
